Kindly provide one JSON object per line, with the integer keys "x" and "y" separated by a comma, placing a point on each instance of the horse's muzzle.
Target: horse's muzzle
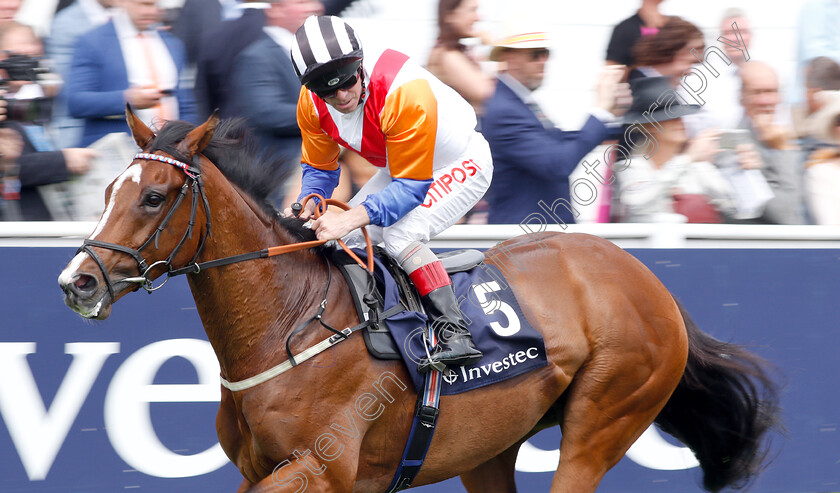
{"x": 83, "y": 295}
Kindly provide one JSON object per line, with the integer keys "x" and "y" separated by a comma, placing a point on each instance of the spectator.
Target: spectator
{"x": 196, "y": 19}
{"x": 222, "y": 45}
{"x": 821, "y": 75}
{"x": 645, "y": 22}
{"x": 736, "y": 26}
{"x": 70, "y": 23}
{"x": 819, "y": 35}
{"x": 722, "y": 108}
{"x": 217, "y": 54}
{"x": 822, "y": 170}
{"x": 29, "y": 158}
{"x": 533, "y": 159}
{"x": 777, "y": 157}
{"x": 8, "y": 10}
{"x": 264, "y": 81}
{"x": 677, "y": 183}
{"x": 668, "y": 52}
{"x": 449, "y": 59}
{"x": 127, "y": 61}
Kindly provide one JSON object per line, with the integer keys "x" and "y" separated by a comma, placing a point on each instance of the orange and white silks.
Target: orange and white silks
{"x": 408, "y": 121}
{"x": 413, "y": 126}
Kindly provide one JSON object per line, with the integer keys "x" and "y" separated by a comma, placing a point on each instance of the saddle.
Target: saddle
{"x": 368, "y": 299}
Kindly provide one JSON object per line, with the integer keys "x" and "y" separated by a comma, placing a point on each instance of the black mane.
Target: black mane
{"x": 233, "y": 149}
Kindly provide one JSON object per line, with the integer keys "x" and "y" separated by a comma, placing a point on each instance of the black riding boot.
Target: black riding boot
{"x": 455, "y": 346}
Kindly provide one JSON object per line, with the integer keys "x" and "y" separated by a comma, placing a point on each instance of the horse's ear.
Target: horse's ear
{"x": 142, "y": 134}
{"x": 197, "y": 140}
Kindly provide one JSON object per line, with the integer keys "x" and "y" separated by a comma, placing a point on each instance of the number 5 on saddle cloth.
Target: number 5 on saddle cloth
{"x": 510, "y": 344}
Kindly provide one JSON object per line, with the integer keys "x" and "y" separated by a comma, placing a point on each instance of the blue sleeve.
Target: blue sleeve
{"x": 85, "y": 98}
{"x": 319, "y": 181}
{"x": 516, "y": 137}
{"x": 393, "y": 202}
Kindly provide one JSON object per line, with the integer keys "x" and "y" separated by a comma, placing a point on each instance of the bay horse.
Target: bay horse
{"x": 622, "y": 353}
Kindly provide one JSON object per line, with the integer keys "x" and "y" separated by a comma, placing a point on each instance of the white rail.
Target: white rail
{"x": 37, "y": 234}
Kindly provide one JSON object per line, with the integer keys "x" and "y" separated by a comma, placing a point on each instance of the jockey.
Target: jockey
{"x": 434, "y": 165}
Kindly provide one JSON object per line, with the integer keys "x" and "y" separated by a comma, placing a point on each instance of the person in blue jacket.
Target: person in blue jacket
{"x": 124, "y": 61}
{"x": 532, "y": 158}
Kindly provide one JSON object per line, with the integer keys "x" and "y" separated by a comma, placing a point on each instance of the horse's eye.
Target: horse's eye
{"x": 153, "y": 200}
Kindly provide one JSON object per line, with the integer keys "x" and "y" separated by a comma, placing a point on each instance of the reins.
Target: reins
{"x": 196, "y": 185}
{"x": 293, "y": 247}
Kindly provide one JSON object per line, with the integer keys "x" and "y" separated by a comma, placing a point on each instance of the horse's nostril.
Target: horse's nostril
{"x": 84, "y": 283}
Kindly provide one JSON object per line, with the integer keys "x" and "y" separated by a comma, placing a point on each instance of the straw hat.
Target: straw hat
{"x": 519, "y": 34}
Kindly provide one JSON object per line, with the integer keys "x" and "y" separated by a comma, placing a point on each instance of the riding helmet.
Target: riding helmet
{"x": 326, "y": 53}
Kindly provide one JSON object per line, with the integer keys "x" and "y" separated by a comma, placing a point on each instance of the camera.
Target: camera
{"x": 28, "y": 69}
{"x": 730, "y": 139}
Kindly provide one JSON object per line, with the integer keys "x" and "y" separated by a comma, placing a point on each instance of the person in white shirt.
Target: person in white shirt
{"x": 677, "y": 172}
{"x": 128, "y": 60}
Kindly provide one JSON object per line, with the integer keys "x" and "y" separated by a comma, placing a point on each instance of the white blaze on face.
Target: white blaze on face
{"x": 66, "y": 276}
{"x": 133, "y": 173}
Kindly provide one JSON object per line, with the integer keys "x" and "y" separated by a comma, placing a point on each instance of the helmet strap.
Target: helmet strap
{"x": 364, "y": 83}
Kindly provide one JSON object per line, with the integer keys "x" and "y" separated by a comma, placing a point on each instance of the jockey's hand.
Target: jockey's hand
{"x": 335, "y": 225}
{"x": 306, "y": 213}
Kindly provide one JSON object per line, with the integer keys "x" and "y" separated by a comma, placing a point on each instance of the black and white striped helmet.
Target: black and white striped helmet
{"x": 326, "y": 53}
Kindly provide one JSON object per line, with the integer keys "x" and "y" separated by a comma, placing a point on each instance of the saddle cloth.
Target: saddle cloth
{"x": 511, "y": 346}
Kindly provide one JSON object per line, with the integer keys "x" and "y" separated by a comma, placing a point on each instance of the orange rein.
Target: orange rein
{"x": 321, "y": 208}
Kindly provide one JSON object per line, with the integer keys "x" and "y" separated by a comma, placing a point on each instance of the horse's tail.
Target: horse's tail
{"x": 722, "y": 408}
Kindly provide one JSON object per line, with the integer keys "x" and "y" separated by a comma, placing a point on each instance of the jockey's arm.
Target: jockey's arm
{"x": 390, "y": 204}
{"x": 382, "y": 208}
{"x": 318, "y": 180}
{"x": 409, "y": 122}
{"x": 319, "y": 154}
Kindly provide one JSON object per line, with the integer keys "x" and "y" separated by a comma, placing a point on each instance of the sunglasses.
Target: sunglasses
{"x": 328, "y": 93}
{"x": 538, "y": 53}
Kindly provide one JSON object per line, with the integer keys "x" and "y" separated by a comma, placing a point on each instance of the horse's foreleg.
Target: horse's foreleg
{"x": 305, "y": 481}
{"x": 305, "y": 471}
{"x": 494, "y": 476}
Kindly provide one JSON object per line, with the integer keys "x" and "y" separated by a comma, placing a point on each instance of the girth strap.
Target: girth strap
{"x": 303, "y": 355}
{"x": 421, "y": 434}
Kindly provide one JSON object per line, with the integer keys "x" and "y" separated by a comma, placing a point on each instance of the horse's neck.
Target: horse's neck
{"x": 248, "y": 308}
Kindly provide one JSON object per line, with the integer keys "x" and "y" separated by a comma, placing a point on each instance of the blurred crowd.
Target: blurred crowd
{"x": 684, "y": 127}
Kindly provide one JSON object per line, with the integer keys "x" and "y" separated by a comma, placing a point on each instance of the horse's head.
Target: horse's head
{"x": 156, "y": 218}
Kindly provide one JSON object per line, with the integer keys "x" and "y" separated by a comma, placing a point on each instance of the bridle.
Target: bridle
{"x": 194, "y": 183}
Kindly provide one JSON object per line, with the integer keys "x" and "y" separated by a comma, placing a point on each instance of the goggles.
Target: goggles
{"x": 328, "y": 92}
